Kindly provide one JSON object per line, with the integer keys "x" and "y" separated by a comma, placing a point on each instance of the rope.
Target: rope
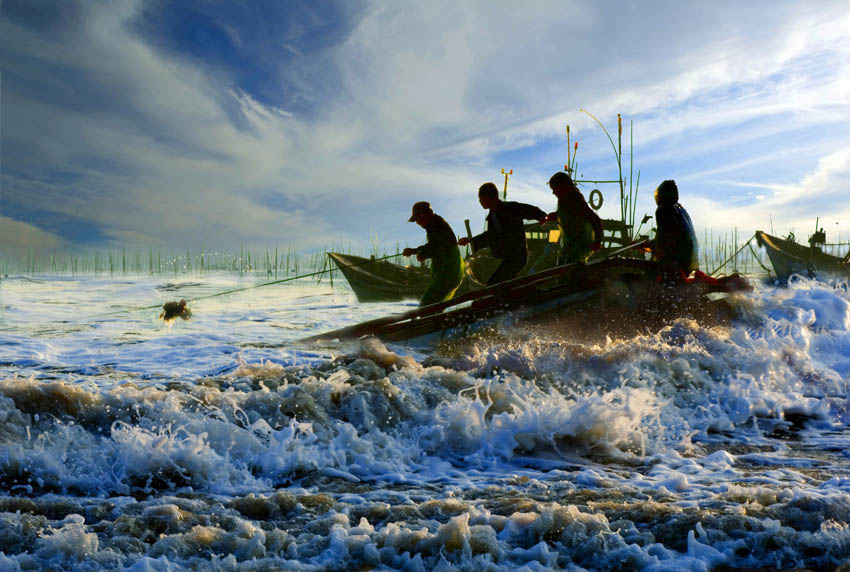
{"x": 733, "y": 256}
{"x": 233, "y": 291}
{"x": 756, "y": 256}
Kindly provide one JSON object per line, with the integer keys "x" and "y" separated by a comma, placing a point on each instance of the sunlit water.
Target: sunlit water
{"x": 220, "y": 443}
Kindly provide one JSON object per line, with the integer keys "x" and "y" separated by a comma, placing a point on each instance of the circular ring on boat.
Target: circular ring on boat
{"x": 596, "y": 202}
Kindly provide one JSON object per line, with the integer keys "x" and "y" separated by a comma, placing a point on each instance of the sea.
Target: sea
{"x": 222, "y": 442}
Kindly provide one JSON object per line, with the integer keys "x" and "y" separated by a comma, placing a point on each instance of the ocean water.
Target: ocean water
{"x": 222, "y": 443}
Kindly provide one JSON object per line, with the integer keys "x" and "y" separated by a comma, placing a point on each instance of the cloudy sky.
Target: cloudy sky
{"x": 212, "y": 124}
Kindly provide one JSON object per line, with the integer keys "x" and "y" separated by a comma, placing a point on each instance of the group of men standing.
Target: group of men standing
{"x": 580, "y": 228}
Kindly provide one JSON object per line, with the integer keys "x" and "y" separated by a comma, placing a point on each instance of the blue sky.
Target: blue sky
{"x": 190, "y": 124}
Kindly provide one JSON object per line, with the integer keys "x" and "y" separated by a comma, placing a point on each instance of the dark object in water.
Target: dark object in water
{"x": 173, "y": 310}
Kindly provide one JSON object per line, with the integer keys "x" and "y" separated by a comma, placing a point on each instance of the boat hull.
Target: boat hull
{"x": 615, "y": 298}
{"x": 381, "y": 281}
{"x": 789, "y": 257}
{"x": 611, "y": 296}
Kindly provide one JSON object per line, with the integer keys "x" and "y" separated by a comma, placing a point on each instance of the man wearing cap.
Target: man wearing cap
{"x": 505, "y": 234}
{"x": 441, "y": 248}
{"x": 675, "y": 242}
{"x": 581, "y": 227}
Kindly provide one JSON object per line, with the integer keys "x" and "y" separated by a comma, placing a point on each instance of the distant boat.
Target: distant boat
{"x": 790, "y": 257}
{"x": 383, "y": 281}
{"x": 380, "y": 280}
{"x": 607, "y": 295}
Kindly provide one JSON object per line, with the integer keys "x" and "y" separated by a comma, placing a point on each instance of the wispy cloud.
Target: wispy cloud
{"x": 334, "y": 127}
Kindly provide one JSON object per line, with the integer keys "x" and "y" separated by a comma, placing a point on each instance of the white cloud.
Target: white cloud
{"x": 158, "y": 151}
{"x": 487, "y": 76}
{"x": 820, "y": 195}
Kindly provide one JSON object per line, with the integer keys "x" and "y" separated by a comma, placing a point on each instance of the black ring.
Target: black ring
{"x": 596, "y": 206}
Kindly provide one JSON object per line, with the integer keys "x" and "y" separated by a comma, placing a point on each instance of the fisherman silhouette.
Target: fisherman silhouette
{"x": 441, "y": 248}
{"x": 505, "y": 234}
{"x": 675, "y": 244}
{"x": 581, "y": 228}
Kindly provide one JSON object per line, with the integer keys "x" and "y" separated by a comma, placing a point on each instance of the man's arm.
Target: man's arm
{"x": 478, "y": 241}
{"x": 425, "y": 251}
{"x": 666, "y": 231}
{"x": 528, "y": 212}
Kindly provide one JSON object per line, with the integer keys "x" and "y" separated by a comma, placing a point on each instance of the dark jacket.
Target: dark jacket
{"x": 580, "y": 227}
{"x": 446, "y": 261}
{"x": 675, "y": 239}
{"x": 441, "y": 247}
{"x": 505, "y": 234}
{"x": 441, "y": 239}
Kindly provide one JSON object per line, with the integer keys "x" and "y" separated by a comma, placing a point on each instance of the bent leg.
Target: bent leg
{"x": 508, "y": 269}
{"x": 571, "y": 254}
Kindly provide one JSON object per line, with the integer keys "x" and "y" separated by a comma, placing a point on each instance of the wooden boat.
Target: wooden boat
{"x": 790, "y": 257}
{"x": 383, "y": 281}
{"x": 610, "y": 295}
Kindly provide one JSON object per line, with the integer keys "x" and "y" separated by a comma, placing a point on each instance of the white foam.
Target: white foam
{"x": 70, "y": 540}
{"x": 687, "y": 420}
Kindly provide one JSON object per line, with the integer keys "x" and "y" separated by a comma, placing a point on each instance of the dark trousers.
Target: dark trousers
{"x": 508, "y": 269}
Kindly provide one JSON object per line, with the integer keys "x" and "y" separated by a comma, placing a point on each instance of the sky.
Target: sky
{"x": 194, "y": 124}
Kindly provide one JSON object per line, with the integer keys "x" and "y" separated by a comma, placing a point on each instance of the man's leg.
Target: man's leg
{"x": 571, "y": 254}
{"x": 508, "y": 269}
{"x": 440, "y": 289}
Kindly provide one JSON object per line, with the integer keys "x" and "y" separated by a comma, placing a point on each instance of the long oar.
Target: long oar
{"x": 234, "y": 290}
{"x": 370, "y": 326}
